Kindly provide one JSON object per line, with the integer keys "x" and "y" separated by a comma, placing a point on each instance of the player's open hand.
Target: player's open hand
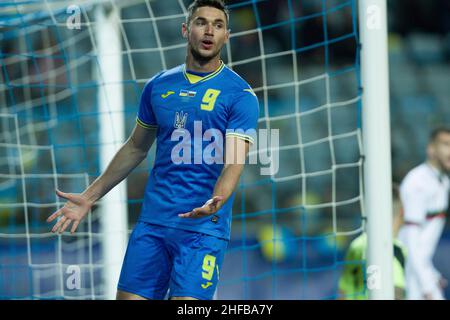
{"x": 74, "y": 211}
{"x": 210, "y": 207}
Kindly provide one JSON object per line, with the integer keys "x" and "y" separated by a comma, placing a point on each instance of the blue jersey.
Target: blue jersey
{"x": 176, "y": 101}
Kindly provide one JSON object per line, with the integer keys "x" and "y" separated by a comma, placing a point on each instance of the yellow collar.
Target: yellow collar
{"x": 193, "y": 78}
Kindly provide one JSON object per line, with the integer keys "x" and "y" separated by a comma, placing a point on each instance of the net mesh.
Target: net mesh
{"x": 289, "y": 230}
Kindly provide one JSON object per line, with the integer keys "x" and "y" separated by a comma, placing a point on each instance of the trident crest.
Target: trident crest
{"x": 180, "y": 120}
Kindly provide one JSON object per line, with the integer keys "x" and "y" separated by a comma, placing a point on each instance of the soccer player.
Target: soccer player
{"x": 424, "y": 194}
{"x": 351, "y": 282}
{"x": 179, "y": 241}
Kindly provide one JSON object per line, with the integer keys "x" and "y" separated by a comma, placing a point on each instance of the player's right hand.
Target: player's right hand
{"x": 74, "y": 210}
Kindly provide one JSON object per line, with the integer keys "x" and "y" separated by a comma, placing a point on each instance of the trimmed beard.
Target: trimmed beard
{"x": 444, "y": 169}
{"x": 202, "y": 59}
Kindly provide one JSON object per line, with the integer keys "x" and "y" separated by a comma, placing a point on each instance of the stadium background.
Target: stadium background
{"x": 305, "y": 264}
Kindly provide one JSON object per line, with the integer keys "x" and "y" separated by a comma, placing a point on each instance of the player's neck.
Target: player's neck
{"x": 435, "y": 166}
{"x": 195, "y": 65}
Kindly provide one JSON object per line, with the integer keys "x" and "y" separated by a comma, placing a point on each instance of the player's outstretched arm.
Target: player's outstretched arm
{"x": 133, "y": 151}
{"x": 236, "y": 152}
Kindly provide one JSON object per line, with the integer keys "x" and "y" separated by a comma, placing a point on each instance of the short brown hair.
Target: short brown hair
{"x": 436, "y": 132}
{"x": 218, "y": 4}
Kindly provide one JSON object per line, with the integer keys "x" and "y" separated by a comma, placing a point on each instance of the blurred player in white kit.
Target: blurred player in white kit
{"x": 424, "y": 193}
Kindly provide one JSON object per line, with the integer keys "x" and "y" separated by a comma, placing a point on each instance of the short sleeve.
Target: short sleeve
{"x": 414, "y": 199}
{"x": 243, "y": 116}
{"x": 146, "y": 117}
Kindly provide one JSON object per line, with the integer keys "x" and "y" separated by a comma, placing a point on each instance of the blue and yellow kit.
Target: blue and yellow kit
{"x": 165, "y": 251}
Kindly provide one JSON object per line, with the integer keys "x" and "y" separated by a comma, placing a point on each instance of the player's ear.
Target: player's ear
{"x": 227, "y": 35}
{"x": 430, "y": 150}
{"x": 184, "y": 30}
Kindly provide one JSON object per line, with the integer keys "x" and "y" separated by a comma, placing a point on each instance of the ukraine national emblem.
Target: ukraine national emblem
{"x": 180, "y": 120}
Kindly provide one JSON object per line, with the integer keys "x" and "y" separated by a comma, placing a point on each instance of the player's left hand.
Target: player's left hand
{"x": 210, "y": 207}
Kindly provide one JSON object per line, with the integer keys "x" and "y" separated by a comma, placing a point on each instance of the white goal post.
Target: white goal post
{"x": 114, "y": 211}
{"x": 377, "y": 147}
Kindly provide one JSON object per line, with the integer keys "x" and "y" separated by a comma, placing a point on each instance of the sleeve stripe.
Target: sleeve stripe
{"x": 144, "y": 125}
{"x": 241, "y": 136}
